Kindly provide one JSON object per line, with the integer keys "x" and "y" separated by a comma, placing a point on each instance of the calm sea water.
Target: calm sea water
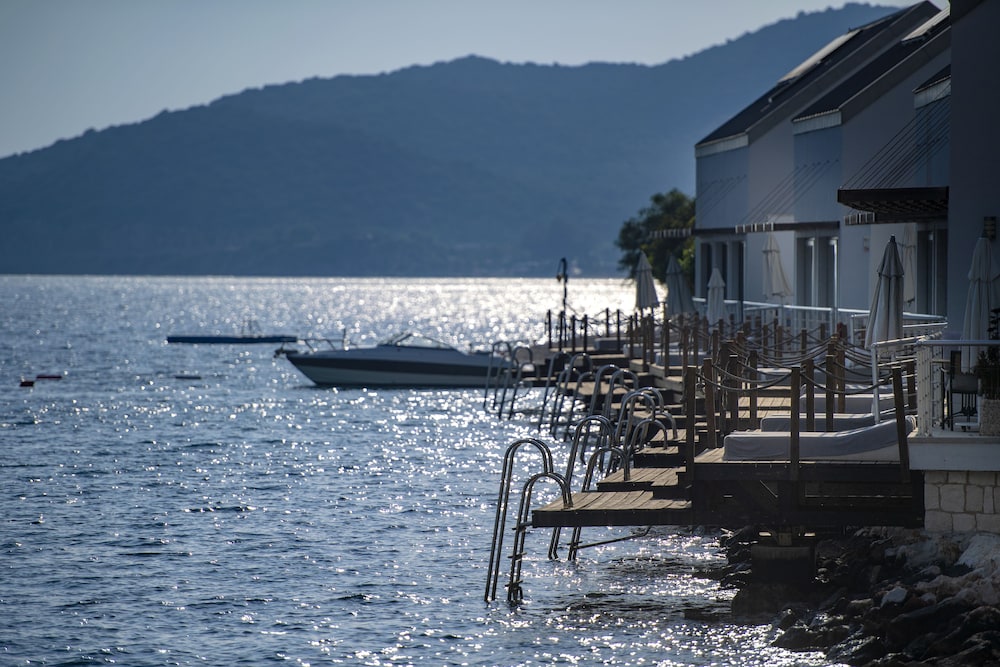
{"x": 181, "y": 505}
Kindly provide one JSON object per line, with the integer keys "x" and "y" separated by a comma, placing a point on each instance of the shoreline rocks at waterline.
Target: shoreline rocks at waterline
{"x": 885, "y": 598}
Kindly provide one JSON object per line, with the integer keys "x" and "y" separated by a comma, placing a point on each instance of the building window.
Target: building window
{"x": 816, "y": 271}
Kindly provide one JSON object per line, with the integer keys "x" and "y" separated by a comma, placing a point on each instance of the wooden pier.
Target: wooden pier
{"x": 687, "y": 481}
{"x": 664, "y": 416}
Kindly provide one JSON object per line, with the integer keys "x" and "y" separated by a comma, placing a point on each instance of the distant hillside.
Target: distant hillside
{"x": 469, "y": 167}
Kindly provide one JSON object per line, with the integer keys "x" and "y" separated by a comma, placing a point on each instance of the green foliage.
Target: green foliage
{"x": 646, "y": 233}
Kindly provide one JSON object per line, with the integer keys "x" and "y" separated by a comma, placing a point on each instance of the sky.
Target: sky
{"x": 67, "y": 66}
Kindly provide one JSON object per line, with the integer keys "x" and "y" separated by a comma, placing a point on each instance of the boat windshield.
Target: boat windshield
{"x": 411, "y": 339}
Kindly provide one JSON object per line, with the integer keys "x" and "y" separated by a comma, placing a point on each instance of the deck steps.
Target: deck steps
{"x": 613, "y": 508}
{"x": 639, "y": 479}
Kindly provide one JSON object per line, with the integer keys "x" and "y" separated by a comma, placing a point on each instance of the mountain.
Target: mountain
{"x": 470, "y": 167}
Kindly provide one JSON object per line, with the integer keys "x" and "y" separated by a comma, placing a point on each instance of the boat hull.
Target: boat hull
{"x": 396, "y": 367}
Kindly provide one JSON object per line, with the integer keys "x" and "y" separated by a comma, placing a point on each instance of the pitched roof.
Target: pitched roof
{"x": 774, "y": 104}
{"x": 896, "y": 60}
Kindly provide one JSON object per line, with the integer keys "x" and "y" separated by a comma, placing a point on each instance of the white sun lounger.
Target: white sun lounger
{"x": 842, "y": 421}
{"x": 868, "y": 443}
{"x": 853, "y": 403}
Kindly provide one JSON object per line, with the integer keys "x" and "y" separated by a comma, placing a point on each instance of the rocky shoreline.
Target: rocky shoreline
{"x": 882, "y": 598}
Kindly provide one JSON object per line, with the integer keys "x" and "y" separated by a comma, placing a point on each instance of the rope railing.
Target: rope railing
{"x": 723, "y": 385}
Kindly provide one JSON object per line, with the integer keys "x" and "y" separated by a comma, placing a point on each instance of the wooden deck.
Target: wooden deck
{"x": 664, "y": 488}
{"x": 614, "y": 508}
{"x": 733, "y": 494}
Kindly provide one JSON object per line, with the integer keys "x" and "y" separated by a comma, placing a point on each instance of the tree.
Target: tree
{"x": 647, "y": 233}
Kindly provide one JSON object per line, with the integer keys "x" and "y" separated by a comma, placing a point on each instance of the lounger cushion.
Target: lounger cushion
{"x": 876, "y": 442}
{"x": 842, "y": 421}
{"x": 853, "y": 403}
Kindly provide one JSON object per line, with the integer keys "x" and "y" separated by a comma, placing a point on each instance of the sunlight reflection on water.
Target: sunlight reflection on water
{"x": 237, "y": 514}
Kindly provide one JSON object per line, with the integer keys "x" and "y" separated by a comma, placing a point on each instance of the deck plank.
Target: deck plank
{"x": 613, "y": 508}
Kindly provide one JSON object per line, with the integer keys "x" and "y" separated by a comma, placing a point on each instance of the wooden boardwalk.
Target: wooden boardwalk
{"x": 733, "y": 494}
{"x": 614, "y": 508}
{"x": 663, "y": 488}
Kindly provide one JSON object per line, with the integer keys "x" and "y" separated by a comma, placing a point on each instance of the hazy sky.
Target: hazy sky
{"x": 70, "y": 65}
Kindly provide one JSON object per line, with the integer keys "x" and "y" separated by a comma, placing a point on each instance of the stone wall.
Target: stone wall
{"x": 962, "y": 502}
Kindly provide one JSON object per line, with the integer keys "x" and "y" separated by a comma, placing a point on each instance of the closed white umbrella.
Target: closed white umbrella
{"x": 978, "y": 301}
{"x": 910, "y": 264}
{"x": 716, "y": 302}
{"x": 678, "y": 292}
{"x": 885, "y": 315}
{"x": 775, "y": 280}
{"x": 645, "y": 288}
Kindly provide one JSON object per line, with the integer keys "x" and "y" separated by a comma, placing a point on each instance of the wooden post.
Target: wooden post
{"x": 810, "y": 395}
{"x": 722, "y": 363}
{"x": 733, "y": 383}
{"x": 651, "y": 357}
{"x": 665, "y": 342}
{"x": 709, "y": 378}
{"x": 842, "y": 384}
{"x": 793, "y": 444}
{"x": 685, "y": 343}
{"x": 691, "y": 403}
{"x": 618, "y": 328}
{"x": 831, "y": 383}
{"x": 753, "y": 377}
{"x": 548, "y": 325}
{"x": 695, "y": 339}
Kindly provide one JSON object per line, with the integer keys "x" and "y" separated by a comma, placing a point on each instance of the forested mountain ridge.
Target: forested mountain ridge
{"x": 469, "y": 167}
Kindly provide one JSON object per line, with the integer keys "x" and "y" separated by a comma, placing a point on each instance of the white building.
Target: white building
{"x": 750, "y": 174}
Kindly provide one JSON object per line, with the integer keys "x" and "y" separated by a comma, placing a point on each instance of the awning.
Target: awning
{"x": 894, "y": 204}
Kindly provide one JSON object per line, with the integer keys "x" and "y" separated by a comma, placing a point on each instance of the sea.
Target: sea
{"x": 166, "y": 504}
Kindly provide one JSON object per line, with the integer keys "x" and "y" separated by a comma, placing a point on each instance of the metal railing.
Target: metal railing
{"x": 932, "y": 359}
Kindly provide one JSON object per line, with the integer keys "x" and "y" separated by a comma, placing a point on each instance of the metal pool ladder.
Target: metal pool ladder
{"x": 523, "y": 521}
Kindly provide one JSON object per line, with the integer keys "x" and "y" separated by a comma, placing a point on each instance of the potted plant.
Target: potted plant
{"x": 987, "y": 371}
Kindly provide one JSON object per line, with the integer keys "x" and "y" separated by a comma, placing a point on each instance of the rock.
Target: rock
{"x": 928, "y": 573}
{"x": 786, "y": 618}
{"x": 976, "y": 653}
{"x": 919, "y": 645}
{"x": 895, "y": 596}
{"x": 983, "y": 552}
{"x": 856, "y": 608}
{"x": 835, "y": 601}
{"x": 759, "y": 600}
{"x": 976, "y": 588}
{"x": 857, "y": 650}
{"x": 796, "y": 638}
{"x": 890, "y": 598}
{"x": 892, "y": 660}
{"x": 976, "y": 622}
{"x": 904, "y": 628}
{"x": 938, "y": 550}
{"x": 877, "y": 551}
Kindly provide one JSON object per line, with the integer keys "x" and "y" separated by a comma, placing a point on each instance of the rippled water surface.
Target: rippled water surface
{"x": 178, "y": 505}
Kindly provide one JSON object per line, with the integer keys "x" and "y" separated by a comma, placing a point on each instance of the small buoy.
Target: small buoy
{"x": 27, "y": 383}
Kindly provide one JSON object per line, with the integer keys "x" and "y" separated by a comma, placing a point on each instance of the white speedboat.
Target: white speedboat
{"x": 404, "y": 360}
